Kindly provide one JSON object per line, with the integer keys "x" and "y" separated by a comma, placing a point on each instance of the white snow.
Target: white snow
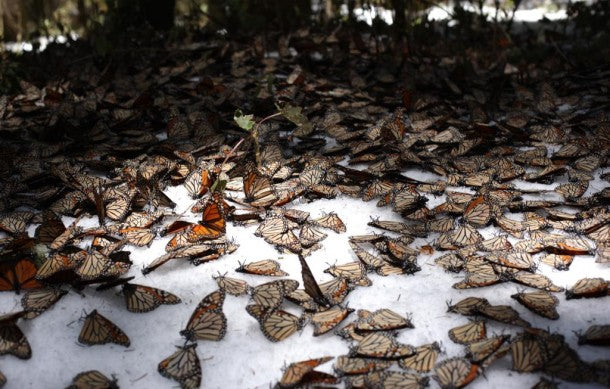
{"x": 245, "y": 358}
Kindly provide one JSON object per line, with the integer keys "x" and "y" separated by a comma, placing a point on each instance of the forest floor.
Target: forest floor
{"x": 443, "y": 210}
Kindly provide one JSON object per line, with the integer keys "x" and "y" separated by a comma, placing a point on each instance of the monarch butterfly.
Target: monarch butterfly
{"x": 311, "y": 286}
{"x": 570, "y": 246}
{"x": 382, "y": 345}
{"x": 455, "y": 373}
{"x": 588, "y": 163}
{"x": 66, "y": 236}
{"x": 527, "y": 354}
{"x": 598, "y": 335}
{"x": 15, "y": 223}
{"x": 346, "y": 365}
{"x": 140, "y": 298}
{"x": 483, "y": 276}
{"x": 138, "y": 236}
{"x": 354, "y": 272}
{"x": 478, "y": 212}
{"x": 600, "y": 235}
{"x": 142, "y": 219}
{"x": 300, "y": 297}
{"x": 275, "y": 231}
{"x": 335, "y": 290}
{"x": 99, "y": 330}
{"x": 97, "y": 265}
{"x": 207, "y": 322}
{"x": 118, "y": 208}
{"x": 309, "y": 235}
{"x": 303, "y": 373}
{"x": 513, "y": 227}
{"x": 468, "y": 333}
{"x": 541, "y": 302}
{"x": 545, "y": 384}
{"x": 311, "y": 175}
{"x": 479, "y": 351}
{"x": 424, "y": 359}
{"x": 537, "y": 281}
{"x": 503, "y": 313}
{"x": 266, "y": 267}
{"x": 399, "y": 249}
{"x": 572, "y": 190}
{"x": 183, "y": 366}
{"x": 468, "y": 306}
{"x": 389, "y": 225}
{"x": 369, "y": 260}
{"x": 18, "y": 275}
{"x": 517, "y": 260}
{"x": 270, "y": 294}
{"x": 12, "y": 340}
{"x": 588, "y": 287}
{"x": 450, "y": 262}
{"x": 440, "y": 225}
{"x": 376, "y": 188}
{"x": 198, "y": 182}
{"x": 381, "y": 320}
{"x": 406, "y": 200}
{"x": 58, "y": 263}
{"x": 232, "y": 286}
{"x": 275, "y": 324}
{"x": 93, "y": 379}
{"x": 35, "y": 302}
{"x": 212, "y": 224}
{"x": 327, "y": 320}
{"x": 258, "y": 190}
{"x": 558, "y": 261}
{"x": 50, "y": 228}
{"x": 331, "y": 221}
{"x": 465, "y": 235}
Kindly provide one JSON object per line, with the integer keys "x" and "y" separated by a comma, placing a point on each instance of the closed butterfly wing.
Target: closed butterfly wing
{"x": 99, "y": 330}
{"x": 479, "y": 351}
{"x": 207, "y": 322}
{"x": 382, "y": 345}
{"x": 381, "y": 320}
{"x": 266, "y": 267}
{"x": 140, "y": 298}
{"x": 232, "y": 286}
{"x": 296, "y": 372}
{"x": 596, "y": 335}
{"x": 271, "y": 294}
{"x": 258, "y": 190}
{"x": 503, "y": 314}
{"x": 588, "y": 287}
{"x": 468, "y": 306}
{"x": 424, "y": 359}
{"x": 35, "y": 302}
{"x": 275, "y": 324}
{"x": 12, "y": 340}
{"x": 311, "y": 286}
{"x": 346, "y": 365}
{"x": 183, "y": 366}
{"x": 527, "y": 354}
{"x": 92, "y": 379}
{"x": 455, "y": 373}
{"x": 478, "y": 212}
{"x": 331, "y": 221}
{"x": 540, "y": 302}
{"x": 468, "y": 333}
{"x": 327, "y": 320}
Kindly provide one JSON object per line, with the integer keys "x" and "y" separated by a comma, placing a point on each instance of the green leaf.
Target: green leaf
{"x": 218, "y": 186}
{"x": 243, "y": 121}
{"x": 294, "y": 114}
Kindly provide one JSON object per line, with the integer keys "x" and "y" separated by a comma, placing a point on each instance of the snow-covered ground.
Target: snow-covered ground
{"x": 245, "y": 358}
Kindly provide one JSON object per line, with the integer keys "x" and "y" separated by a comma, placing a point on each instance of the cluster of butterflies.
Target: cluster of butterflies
{"x": 116, "y": 169}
